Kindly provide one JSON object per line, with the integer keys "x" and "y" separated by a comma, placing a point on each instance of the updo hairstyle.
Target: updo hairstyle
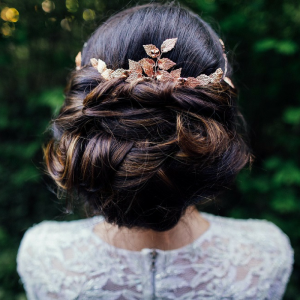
{"x": 141, "y": 153}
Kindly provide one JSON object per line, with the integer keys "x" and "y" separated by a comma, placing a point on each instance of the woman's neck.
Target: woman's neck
{"x": 191, "y": 226}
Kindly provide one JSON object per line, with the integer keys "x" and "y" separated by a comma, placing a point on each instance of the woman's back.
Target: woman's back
{"x": 150, "y": 127}
{"x": 233, "y": 259}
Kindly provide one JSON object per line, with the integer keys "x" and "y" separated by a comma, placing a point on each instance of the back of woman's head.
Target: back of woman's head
{"x": 140, "y": 153}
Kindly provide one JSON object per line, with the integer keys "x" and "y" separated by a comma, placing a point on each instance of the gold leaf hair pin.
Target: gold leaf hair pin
{"x": 226, "y": 79}
{"x": 157, "y": 69}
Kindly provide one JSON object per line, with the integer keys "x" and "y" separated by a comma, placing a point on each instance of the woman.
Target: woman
{"x": 150, "y": 129}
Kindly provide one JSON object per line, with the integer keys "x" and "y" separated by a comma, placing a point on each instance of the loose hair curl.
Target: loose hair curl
{"x": 140, "y": 153}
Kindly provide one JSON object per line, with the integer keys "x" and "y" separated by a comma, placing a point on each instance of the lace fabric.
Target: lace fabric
{"x": 234, "y": 259}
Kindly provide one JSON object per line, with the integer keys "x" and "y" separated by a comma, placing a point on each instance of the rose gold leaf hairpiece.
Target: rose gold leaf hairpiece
{"x": 225, "y": 56}
{"x": 228, "y": 81}
{"x": 119, "y": 73}
{"x": 147, "y": 65}
{"x": 98, "y": 64}
{"x": 135, "y": 66}
{"x": 216, "y": 76}
{"x": 222, "y": 44}
{"x": 226, "y": 62}
{"x": 181, "y": 80}
{"x": 134, "y": 76}
{"x": 158, "y": 69}
{"x": 107, "y": 74}
{"x": 192, "y": 82}
{"x": 152, "y": 50}
{"x": 176, "y": 73}
{"x": 164, "y": 76}
{"x": 101, "y": 66}
{"x": 168, "y": 45}
{"x": 78, "y": 61}
{"x": 203, "y": 79}
{"x": 94, "y": 62}
{"x": 165, "y": 63}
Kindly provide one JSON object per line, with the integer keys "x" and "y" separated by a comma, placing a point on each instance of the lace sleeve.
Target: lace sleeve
{"x": 30, "y": 266}
{"x": 284, "y": 262}
{"x": 42, "y": 268}
{"x": 271, "y": 266}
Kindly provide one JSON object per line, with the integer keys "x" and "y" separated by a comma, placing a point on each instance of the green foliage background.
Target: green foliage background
{"x": 38, "y": 51}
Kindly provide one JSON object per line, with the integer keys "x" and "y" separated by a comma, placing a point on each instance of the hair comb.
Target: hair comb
{"x": 157, "y": 68}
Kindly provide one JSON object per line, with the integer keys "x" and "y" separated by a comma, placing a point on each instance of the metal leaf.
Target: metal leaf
{"x": 216, "y": 76}
{"x": 181, "y": 81}
{"x": 94, "y": 62}
{"x": 78, "y": 61}
{"x": 119, "y": 73}
{"x": 164, "y": 76}
{"x": 101, "y": 66}
{"x": 168, "y": 45}
{"x": 135, "y": 66}
{"x": 176, "y": 73}
{"x": 134, "y": 76}
{"x": 152, "y": 50}
{"x": 228, "y": 81}
{"x": 203, "y": 79}
{"x": 222, "y": 44}
{"x": 107, "y": 74}
{"x": 192, "y": 82}
{"x": 165, "y": 63}
{"x": 147, "y": 65}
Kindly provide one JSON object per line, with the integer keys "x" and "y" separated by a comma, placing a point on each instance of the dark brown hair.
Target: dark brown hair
{"x": 140, "y": 154}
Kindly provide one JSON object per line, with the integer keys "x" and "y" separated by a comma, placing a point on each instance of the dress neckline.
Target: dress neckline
{"x": 124, "y": 251}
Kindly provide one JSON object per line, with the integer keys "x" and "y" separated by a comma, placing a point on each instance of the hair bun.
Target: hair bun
{"x": 128, "y": 140}
{"x": 140, "y": 153}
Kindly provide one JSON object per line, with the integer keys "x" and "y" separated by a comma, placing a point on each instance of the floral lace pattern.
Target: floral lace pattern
{"x": 234, "y": 259}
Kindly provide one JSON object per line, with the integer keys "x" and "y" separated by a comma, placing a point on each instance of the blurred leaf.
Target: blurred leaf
{"x": 27, "y": 174}
{"x": 292, "y": 115}
{"x": 283, "y": 47}
{"x": 53, "y": 98}
{"x": 287, "y": 47}
{"x": 265, "y": 45}
{"x": 246, "y": 183}
{"x": 272, "y": 163}
{"x": 288, "y": 174}
{"x": 285, "y": 201}
{"x": 25, "y": 151}
{"x": 209, "y": 6}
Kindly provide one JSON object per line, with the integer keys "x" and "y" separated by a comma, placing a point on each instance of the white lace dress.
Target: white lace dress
{"x": 234, "y": 259}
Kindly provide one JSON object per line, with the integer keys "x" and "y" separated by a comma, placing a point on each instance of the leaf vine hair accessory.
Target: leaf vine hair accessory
{"x": 226, "y": 79}
{"x": 78, "y": 61}
{"x": 157, "y": 69}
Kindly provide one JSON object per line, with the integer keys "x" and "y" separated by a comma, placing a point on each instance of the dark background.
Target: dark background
{"x": 37, "y": 51}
